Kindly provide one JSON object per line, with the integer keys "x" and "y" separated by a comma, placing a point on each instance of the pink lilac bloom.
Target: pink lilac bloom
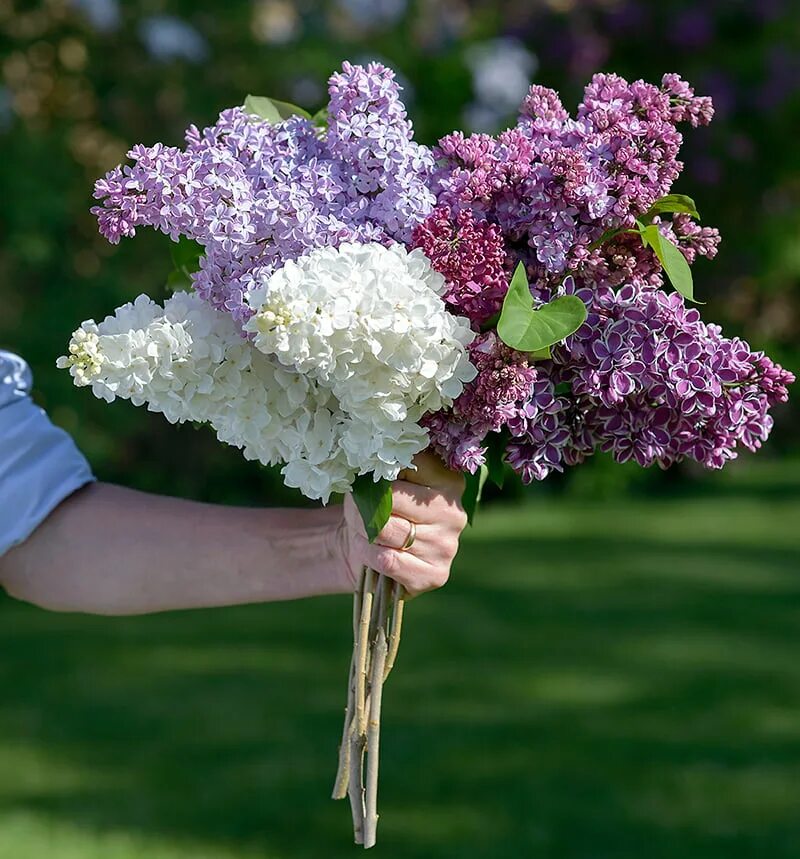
{"x": 554, "y": 184}
{"x": 691, "y": 238}
{"x": 256, "y": 195}
{"x": 471, "y": 256}
{"x": 505, "y": 382}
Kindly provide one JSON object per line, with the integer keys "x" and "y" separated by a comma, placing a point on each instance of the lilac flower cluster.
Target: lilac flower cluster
{"x": 644, "y": 378}
{"x": 256, "y": 195}
{"x": 504, "y": 384}
{"x": 471, "y": 255}
{"x": 554, "y": 184}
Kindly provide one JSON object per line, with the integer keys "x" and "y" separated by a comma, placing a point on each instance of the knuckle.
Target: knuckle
{"x": 387, "y": 561}
{"x": 390, "y": 531}
{"x": 443, "y": 576}
{"x": 451, "y": 546}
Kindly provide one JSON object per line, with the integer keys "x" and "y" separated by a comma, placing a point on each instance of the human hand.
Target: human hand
{"x": 430, "y": 497}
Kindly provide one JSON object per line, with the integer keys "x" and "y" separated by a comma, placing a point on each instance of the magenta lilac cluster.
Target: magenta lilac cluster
{"x": 644, "y": 378}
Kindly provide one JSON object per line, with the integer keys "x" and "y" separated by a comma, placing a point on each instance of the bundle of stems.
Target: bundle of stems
{"x": 377, "y": 622}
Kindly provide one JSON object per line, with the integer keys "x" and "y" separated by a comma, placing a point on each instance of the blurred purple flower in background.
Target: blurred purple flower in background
{"x": 501, "y": 74}
{"x": 102, "y": 15}
{"x": 169, "y": 38}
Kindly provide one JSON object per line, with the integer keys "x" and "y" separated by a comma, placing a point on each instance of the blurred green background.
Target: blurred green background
{"x": 613, "y": 670}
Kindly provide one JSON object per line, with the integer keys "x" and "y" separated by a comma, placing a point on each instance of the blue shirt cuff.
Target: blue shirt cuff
{"x": 40, "y": 466}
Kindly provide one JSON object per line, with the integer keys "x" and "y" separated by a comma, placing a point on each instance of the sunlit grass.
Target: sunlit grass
{"x": 601, "y": 680}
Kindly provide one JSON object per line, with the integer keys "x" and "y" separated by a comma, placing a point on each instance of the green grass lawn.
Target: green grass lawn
{"x": 599, "y": 680}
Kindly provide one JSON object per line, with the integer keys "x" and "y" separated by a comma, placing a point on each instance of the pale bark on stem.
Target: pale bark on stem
{"x": 343, "y": 771}
{"x": 373, "y": 738}
{"x": 377, "y": 624}
{"x": 398, "y": 604}
{"x": 378, "y": 646}
{"x": 362, "y": 652}
{"x": 357, "y": 733}
{"x": 355, "y": 787}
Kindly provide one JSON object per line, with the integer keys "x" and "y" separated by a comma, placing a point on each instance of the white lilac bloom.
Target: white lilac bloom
{"x": 369, "y": 323}
{"x": 180, "y": 359}
{"x": 188, "y": 361}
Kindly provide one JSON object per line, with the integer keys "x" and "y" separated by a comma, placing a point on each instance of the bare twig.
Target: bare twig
{"x": 359, "y": 720}
{"x": 398, "y": 603}
{"x": 377, "y": 624}
{"x": 373, "y": 738}
{"x": 343, "y": 771}
{"x": 355, "y": 787}
{"x": 362, "y": 651}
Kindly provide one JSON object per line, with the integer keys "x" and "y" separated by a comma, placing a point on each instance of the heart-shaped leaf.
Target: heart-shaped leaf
{"x": 528, "y": 330}
{"x": 672, "y": 261}
{"x": 374, "y": 501}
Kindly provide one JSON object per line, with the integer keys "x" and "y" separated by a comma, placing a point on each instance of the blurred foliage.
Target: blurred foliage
{"x": 84, "y": 80}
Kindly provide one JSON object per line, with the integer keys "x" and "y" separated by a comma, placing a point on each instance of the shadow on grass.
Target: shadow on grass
{"x": 574, "y": 698}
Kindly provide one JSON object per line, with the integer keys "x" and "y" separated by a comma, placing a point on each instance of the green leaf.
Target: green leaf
{"x": 679, "y": 203}
{"x": 261, "y": 106}
{"x": 178, "y": 281}
{"x": 320, "y": 118}
{"x": 374, "y": 502}
{"x": 542, "y": 354}
{"x": 287, "y": 109}
{"x": 473, "y": 491}
{"x": 272, "y": 110}
{"x": 608, "y": 235}
{"x": 186, "y": 254}
{"x": 528, "y": 330}
{"x": 672, "y": 261}
{"x": 491, "y": 323}
{"x": 495, "y": 463}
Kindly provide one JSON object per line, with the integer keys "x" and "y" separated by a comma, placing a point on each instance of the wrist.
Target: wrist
{"x": 313, "y": 543}
{"x": 338, "y": 549}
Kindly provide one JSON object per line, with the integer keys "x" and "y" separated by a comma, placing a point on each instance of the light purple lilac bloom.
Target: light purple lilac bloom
{"x": 256, "y": 195}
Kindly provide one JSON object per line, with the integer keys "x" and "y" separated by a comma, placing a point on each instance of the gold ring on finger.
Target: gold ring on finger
{"x": 412, "y": 535}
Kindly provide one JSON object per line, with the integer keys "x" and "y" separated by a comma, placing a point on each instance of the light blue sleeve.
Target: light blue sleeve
{"x": 39, "y": 463}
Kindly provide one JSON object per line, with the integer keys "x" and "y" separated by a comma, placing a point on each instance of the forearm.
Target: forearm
{"x": 110, "y": 550}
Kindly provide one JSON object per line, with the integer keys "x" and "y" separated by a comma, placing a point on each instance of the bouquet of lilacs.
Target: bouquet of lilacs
{"x": 345, "y": 297}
